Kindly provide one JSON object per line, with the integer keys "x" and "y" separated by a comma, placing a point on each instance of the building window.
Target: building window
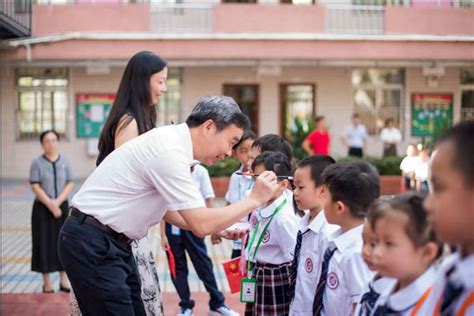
{"x": 467, "y": 94}
{"x": 246, "y": 96}
{"x": 378, "y": 95}
{"x": 168, "y": 109}
{"x": 297, "y": 107}
{"x": 42, "y": 101}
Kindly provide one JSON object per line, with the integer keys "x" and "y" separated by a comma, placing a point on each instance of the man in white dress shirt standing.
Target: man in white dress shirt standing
{"x": 137, "y": 185}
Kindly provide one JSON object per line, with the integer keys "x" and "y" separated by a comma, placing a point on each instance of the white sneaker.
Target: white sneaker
{"x": 185, "y": 312}
{"x": 223, "y": 310}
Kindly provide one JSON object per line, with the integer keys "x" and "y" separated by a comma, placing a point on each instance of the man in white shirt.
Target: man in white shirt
{"x": 138, "y": 184}
{"x": 355, "y": 137}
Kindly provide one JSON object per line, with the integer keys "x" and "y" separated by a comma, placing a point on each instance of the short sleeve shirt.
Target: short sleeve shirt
{"x": 309, "y": 263}
{"x": 279, "y": 241}
{"x": 203, "y": 181}
{"x": 356, "y": 135}
{"x": 140, "y": 181}
{"x": 320, "y": 142}
{"x": 52, "y": 176}
{"x": 347, "y": 275}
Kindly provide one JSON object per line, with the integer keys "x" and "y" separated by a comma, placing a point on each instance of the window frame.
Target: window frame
{"x": 255, "y": 127}
{"x": 382, "y": 88}
{"x": 282, "y": 88}
{"x": 19, "y": 136}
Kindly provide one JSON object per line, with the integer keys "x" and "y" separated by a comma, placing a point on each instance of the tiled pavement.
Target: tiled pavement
{"x": 16, "y": 276}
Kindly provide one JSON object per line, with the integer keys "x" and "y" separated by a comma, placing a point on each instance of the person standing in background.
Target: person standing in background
{"x": 408, "y": 167}
{"x": 355, "y": 137}
{"x": 390, "y": 137}
{"x": 181, "y": 241}
{"x": 51, "y": 180}
{"x": 318, "y": 141}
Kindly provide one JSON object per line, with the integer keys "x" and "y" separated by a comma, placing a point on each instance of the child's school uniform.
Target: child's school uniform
{"x": 453, "y": 290}
{"x": 308, "y": 262}
{"x": 238, "y": 188}
{"x": 270, "y": 252}
{"x": 377, "y": 286}
{"x": 347, "y": 274}
{"x": 410, "y": 301}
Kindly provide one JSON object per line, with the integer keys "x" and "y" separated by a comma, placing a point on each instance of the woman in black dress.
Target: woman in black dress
{"x": 51, "y": 181}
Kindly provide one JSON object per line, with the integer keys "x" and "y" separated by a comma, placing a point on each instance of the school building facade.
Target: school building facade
{"x": 410, "y": 60}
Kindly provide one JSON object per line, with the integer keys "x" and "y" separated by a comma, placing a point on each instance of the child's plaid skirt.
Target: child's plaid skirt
{"x": 271, "y": 296}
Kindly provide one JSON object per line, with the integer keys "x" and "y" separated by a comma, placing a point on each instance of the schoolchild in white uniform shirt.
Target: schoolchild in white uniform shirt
{"x": 240, "y": 183}
{"x": 313, "y": 230}
{"x": 406, "y": 249}
{"x": 350, "y": 188}
{"x": 451, "y": 209}
{"x": 379, "y": 283}
{"x": 271, "y": 242}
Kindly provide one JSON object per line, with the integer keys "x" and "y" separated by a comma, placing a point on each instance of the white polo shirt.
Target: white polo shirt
{"x": 309, "y": 265}
{"x": 379, "y": 286}
{"x": 409, "y": 298}
{"x": 463, "y": 274}
{"x": 391, "y": 135}
{"x": 278, "y": 243}
{"x": 139, "y": 181}
{"x": 201, "y": 178}
{"x": 348, "y": 274}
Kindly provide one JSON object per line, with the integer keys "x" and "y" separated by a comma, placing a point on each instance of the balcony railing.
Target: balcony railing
{"x": 181, "y": 18}
{"x": 15, "y": 18}
{"x": 354, "y": 19}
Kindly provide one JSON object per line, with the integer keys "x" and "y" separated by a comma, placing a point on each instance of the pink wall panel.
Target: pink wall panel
{"x": 52, "y": 19}
{"x": 254, "y": 18}
{"x": 442, "y": 21}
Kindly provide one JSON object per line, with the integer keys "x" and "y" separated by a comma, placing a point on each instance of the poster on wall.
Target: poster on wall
{"x": 91, "y": 113}
{"x": 430, "y": 112}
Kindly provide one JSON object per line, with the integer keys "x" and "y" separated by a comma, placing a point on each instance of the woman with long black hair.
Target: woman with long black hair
{"x": 132, "y": 114}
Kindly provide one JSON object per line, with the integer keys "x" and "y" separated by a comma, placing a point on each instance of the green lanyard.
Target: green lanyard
{"x": 262, "y": 235}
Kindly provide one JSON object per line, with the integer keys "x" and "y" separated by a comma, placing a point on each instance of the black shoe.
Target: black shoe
{"x": 47, "y": 292}
{"x": 64, "y": 289}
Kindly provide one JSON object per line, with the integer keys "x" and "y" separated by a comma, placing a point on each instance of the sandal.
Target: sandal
{"x": 64, "y": 289}
{"x": 47, "y": 292}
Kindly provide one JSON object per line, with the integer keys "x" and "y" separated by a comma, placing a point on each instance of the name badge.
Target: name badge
{"x": 247, "y": 290}
{"x": 175, "y": 231}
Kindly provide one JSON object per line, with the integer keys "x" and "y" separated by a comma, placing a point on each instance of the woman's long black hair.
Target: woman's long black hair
{"x": 133, "y": 98}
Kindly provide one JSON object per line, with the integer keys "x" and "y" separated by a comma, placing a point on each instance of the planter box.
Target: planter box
{"x": 390, "y": 185}
{"x": 220, "y": 185}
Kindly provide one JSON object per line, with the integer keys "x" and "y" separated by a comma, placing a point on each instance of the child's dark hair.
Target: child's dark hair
{"x": 248, "y": 134}
{"x": 317, "y": 163}
{"x": 462, "y": 138}
{"x": 274, "y": 161}
{"x": 43, "y": 134}
{"x": 418, "y": 227}
{"x": 273, "y": 142}
{"x": 356, "y": 184}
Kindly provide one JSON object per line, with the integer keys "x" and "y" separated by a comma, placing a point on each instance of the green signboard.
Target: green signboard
{"x": 430, "y": 112}
{"x": 91, "y": 113}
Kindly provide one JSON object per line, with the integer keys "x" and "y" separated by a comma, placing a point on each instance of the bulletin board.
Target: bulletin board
{"x": 91, "y": 113}
{"x": 430, "y": 111}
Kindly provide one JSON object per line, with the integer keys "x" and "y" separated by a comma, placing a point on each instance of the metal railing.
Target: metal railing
{"x": 181, "y": 18}
{"x": 15, "y": 17}
{"x": 354, "y": 19}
